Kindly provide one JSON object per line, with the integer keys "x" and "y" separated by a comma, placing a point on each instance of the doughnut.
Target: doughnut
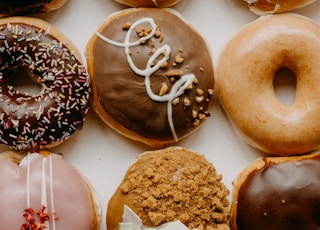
{"x": 149, "y": 3}
{"x": 167, "y": 186}
{"x": 35, "y": 193}
{"x": 50, "y": 116}
{"x": 263, "y": 7}
{"x": 148, "y": 82}
{"x": 19, "y": 7}
{"x": 256, "y": 53}
{"x": 278, "y": 193}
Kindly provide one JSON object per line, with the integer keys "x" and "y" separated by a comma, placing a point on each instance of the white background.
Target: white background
{"x": 101, "y": 154}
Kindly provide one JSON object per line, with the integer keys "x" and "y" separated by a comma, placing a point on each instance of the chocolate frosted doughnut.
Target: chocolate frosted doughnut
{"x": 47, "y": 118}
{"x": 152, "y": 80}
{"x": 25, "y": 7}
{"x": 279, "y": 194}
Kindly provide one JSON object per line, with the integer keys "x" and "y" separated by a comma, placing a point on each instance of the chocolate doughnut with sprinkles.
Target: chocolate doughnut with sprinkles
{"x": 152, "y": 81}
{"x": 27, "y": 7}
{"x": 46, "y": 118}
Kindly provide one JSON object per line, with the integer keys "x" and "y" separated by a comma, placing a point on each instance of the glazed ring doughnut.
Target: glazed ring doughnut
{"x": 148, "y": 83}
{"x": 262, "y": 7}
{"x": 18, "y": 7}
{"x": 246, "y": 91}
{"x": 278, "y": 193}
{"x": 149, "y": 3}
{"x": 48, "y": 117}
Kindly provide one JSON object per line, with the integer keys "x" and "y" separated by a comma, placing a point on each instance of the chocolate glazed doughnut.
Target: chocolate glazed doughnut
{"x": 45, "y": 119}
{"x": 25, "y": 7}
{"x": 278, "y": 193}
{"x": 152, "y": 80}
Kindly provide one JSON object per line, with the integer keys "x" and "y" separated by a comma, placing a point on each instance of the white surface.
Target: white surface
{"x": 102, "y": 155}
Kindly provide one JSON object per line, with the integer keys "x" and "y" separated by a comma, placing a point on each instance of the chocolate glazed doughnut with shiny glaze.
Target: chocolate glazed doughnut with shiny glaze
{"x": 278, "y": 193}
{"x": 152, "y": 80}
{"x": 47, "y": 118}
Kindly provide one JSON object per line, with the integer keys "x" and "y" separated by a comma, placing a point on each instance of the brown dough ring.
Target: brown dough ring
{"x": 172, "y": 184}
{"x": 47, "y": 118}
{"x": 246, "y": 90}
{"x": 26, "y": 7}
{"x": 44, "y": 182}
{"x": 149, "y": 3}
{"x": 278, "y": 193}
{"x": 120, "y": 97}
{"x": 262, "y": 7}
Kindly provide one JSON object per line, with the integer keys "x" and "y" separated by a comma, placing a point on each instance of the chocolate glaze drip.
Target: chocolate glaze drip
{"x": 122, "y": 93}
{"x": 23, "y": 7}
{"x": 281, "y": 197}
{"x": 33, "y": 121}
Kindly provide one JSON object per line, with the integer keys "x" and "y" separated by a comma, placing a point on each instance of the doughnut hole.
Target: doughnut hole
{"x": 284, "y": 84}
{"x": 25, "y": 82}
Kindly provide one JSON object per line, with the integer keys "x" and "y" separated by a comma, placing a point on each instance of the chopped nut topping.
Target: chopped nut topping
{"x": 196, "y": 122}
{"x": 199, "y": 92}
{"x": 202, "y": 116}
{"x": 176, "y": 101}
{"x": 196, "y": 81}
{"x": 174, "y": 73}
{"x": 126, "y": 26}
{"x": 178, "y": 59}
{"x": 199, "y": 99}
{"x": 210, "y": 92}
{"x": 186, "y": 102}
{"x": 201, "y": 69}
{"x": 164, "y": 65}
{"x": 194, "y": 114}
{"x": 158, "y": 33}
{"x": 164, "y": 89}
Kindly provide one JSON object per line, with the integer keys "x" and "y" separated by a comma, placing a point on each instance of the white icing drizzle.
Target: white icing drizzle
{"x": 28, "y": 181}
{"x": 44, "y": 192}
{"x": 44, "y": 186}
{"x": 53, "y": 213}
{"x": 177, "y": 89}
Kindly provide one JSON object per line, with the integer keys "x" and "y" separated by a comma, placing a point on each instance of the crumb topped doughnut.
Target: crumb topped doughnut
{"x": 172, "y": 184}
{"x": 35, "y": 193}
{"x": 47, "y": 118}
{"x": 152, "y": 80}
{"x": 149, "y": 3}
{"x": 26, "y": 7}
{"x": 246, "y": 91}
{"x": 262, "y": 7}
{"x": 278, "y": 193}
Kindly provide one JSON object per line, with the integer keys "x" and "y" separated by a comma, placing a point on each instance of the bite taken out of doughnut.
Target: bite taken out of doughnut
{"x": 263, "y": 7}
{"x": 172, "y": 186}
{"x": 42, "y": 191}
{"x": 51, "y": 115}
{"x": 23, "y": 7}
{"x": 278, "y": 193}
{"x": 152, "y": 81}
{"x": 149, "y": 3}
{"x": 244, "y": 82}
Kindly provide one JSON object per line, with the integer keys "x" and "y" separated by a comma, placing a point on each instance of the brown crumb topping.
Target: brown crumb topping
{"x": 176, "y": 184}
